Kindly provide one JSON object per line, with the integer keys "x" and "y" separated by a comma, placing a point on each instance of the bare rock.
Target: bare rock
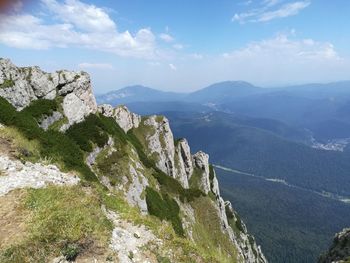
{"x": 125, "y": 119}
{"x": 18, "y": 175}
{"x": 45, "y": 122}
{"x": 183, "y": 162}
{"x": 201, "y": 161}
{"x": 21, "y": 86}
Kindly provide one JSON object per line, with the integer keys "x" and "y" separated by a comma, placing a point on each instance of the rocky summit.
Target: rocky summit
{"x": 88, "y": 183}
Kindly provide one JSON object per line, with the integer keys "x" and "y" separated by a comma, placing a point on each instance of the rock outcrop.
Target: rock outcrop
{"x": 125, "y": 119}
{"x": 18, "y": 175}
{"x": 21, "y": 86}
{"x": 339, "y": 251}
{"x": 161, "y": 143}
{"x": 201, "y": 162}
{"x": 183, "y": 162}
{"x": 175, "y": 159}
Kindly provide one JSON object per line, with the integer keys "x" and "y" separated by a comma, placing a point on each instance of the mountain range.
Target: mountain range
{"x": 324, "y": 109}
{"x": 282, "y": 156}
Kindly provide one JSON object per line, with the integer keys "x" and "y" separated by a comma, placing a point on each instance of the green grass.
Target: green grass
{"x": 195, "y": 180}
{"x": 26, "y": 150}
{"x": 64, "y": 221}
{"x": 8, "y": 83}
{"x": 207, "y": 233}
{"x": 56, "y": 126}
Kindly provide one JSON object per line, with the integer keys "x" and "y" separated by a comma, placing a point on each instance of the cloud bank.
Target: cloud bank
{"x": 75, "y": 24}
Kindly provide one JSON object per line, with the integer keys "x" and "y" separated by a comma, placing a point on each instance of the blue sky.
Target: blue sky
{"x": 182, "y": 45}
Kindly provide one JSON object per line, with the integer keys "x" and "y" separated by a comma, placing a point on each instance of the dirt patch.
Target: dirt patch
{"x": 6, "y": 147}
{"x": 13, "y": 217}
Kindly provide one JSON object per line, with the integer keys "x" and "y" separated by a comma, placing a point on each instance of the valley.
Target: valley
{"x": 281, "y": 155}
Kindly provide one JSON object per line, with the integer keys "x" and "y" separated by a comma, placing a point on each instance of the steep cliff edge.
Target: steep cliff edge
{"x": 339, "y": 252}
{"x": 142, "y": 196}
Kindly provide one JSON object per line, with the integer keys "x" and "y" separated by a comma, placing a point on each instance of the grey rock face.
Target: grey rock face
{"x": 106, "y": 110}
{"x": 21, "y": 86}
{"x": 173, "y": 160}
{"x": 215, "y": 186}
{"x": 161, "y": 143}
{"x": 201, "y": 161}
{"x": 125, "y": 119}
{"x": 185, "y": 165}
{"x": 136, "y": 188}
{"x": 245, "y": 243}
{"x": 45, "y": 122}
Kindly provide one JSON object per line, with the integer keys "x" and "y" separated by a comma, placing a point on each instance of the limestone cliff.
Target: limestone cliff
{"x": 163, "y": 203}
{"x": 21, "y": 86}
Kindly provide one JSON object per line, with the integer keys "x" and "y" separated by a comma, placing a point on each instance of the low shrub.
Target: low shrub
{"x": 41, "y": 107}
{"x": 165, "y": 208}
{"x": 53, "y": 144}
{"x": 90, "y": 131}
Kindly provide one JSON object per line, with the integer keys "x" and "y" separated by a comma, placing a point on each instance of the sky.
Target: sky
{"x": 181, "y": 45}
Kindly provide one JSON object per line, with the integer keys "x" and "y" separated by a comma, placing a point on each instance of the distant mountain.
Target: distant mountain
{"x": 333, "y": 90}
{"x": 224, "y": 91}
{"x": 322, "y": 116}
{"x": 324, "y": 109}
{"x": 216, "y": 93}
{"x": 155, "y": 107}
{"x": 227, "y": 91}
{"x": 137, "y": 93}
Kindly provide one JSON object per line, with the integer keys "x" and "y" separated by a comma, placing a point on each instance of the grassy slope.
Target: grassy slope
{"x": 77, "y": 209}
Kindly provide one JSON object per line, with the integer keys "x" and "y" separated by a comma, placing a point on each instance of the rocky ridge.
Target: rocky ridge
{"x": 21, "y": 86}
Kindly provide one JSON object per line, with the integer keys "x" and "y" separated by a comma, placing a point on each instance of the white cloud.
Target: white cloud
{"x": 103, "y": 66}
{"x": 78, "y": 25}
{"x": 291, "y": 9}
{"x": 83, "y": 16}
{"x": 166, "y": 38}
{"x": 196, "y": 56}
{"x": 178, "y": 46}
{"x": 269, "y": 3}
{"x": 270, "y": 10}
{"x": 283, "y": 49}
{"x": 172, "y": 67}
